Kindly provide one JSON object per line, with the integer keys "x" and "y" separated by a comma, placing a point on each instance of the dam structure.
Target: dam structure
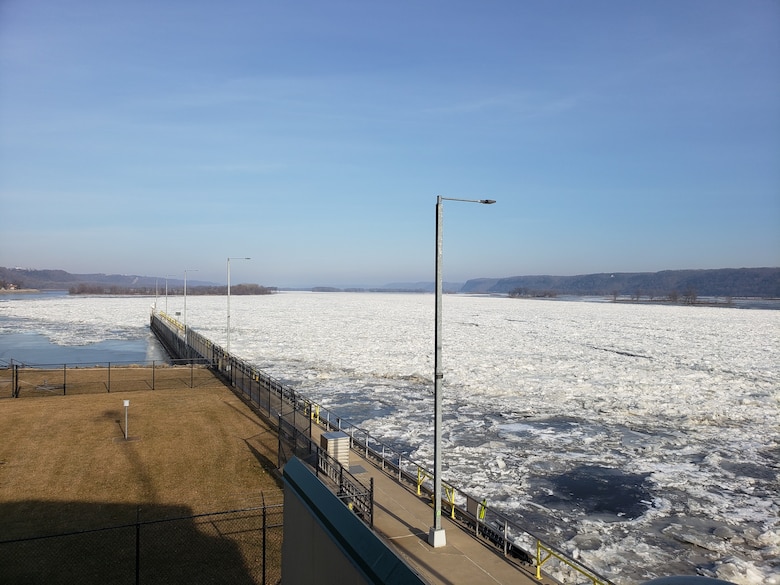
{"x": 390, "y": 494}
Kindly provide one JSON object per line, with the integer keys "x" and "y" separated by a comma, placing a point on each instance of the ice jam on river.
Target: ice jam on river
{"x": 643, "y": 439}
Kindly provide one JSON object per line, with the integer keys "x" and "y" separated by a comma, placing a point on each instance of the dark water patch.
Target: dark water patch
{"x": 560, "y": 423}
{"x": 546, "y": 523}
{"x": 36, "y": 295}
{"x": 754, "y": 470}
{"x": 36, "y": 349}
{"x": 772, "y": 454}
{"x": 610, "y": 494}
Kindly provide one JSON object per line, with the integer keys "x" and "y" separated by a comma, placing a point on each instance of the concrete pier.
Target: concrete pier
{"x": 400, "y": 515}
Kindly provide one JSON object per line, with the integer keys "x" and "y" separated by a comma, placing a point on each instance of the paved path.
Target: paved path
{"x": 402, "y": 518}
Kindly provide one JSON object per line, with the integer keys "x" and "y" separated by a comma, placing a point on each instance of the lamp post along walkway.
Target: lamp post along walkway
{"x": 185, "y": 297}
{"x": 167, "y": 276}
{"x": 436, "y": 535}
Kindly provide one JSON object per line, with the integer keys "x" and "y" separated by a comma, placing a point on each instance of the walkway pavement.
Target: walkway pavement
{"x": 402, "y": 519}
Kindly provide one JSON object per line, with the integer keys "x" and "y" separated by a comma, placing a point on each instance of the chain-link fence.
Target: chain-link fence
{"x": 240, "y": 547}
{"x": 26, "y": 380}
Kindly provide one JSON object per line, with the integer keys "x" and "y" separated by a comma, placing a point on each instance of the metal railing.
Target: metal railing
{"x": 276, "y": 401}
{"x": 18, "y": 379}
{"x": 355, "y": 494}
{"x": 471, "y": 513}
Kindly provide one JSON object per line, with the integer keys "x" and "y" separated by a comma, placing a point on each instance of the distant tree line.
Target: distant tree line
{"x": 362, "y": 290}
{"x": 237, "y": 289}
{"x": 102, "y": 289}
{"x": 688, "y": 297}
{"x": 522, "y": 292}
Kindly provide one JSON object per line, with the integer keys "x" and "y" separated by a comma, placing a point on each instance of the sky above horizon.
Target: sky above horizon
{"x": 152, "y": 137}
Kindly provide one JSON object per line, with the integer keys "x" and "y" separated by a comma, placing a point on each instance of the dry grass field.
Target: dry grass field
{"x": 65, "y": 464}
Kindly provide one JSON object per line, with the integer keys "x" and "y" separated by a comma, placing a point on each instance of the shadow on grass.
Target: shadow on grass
{"x": 67, "y": 542}
{"x": 266, "y": 463}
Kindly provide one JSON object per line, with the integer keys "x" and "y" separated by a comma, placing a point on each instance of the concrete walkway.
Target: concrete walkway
{"x": 402, "y": 519}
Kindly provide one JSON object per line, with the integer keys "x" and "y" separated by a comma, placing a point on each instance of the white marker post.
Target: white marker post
{"x": 127, "y": 403}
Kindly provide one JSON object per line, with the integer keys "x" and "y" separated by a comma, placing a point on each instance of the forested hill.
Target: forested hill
{"x": 62, "y": 280}
{"x": 722, "y": 282}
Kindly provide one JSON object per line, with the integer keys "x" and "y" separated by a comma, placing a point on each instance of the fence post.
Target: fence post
{"x": 152, "y": 374}
{"x": 137, "y": 545}
{"x": 64, "y": 375}
{"x": 371, "y": 494}
{"x": 310, "y": 427}
{"x": 279, "y": 443}
{"x": 109, "y": 377}
{"x": 265, "y": 538}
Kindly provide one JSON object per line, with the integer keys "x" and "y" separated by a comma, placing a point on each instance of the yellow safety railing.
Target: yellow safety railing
{"x": 481, "y": 509}
{"x": 555, "y": 554}
{"x": 449, "y": 491}
{"x": 171, "y": 320}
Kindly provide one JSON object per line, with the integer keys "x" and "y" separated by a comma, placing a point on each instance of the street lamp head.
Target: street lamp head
{"x": 483, "y": 201}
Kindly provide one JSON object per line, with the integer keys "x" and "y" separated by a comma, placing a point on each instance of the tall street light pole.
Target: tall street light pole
{"x": 436, "y": 535}
{"x": 167, "y": 276}
{"x": 185, "y": 296}
{"x": 227, "y": 348}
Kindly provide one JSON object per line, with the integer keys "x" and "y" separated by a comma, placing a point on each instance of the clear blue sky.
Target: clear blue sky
{"x": 149, "y": 137}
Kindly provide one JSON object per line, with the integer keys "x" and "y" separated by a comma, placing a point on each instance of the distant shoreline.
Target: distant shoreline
{"x": 19, "y": 290}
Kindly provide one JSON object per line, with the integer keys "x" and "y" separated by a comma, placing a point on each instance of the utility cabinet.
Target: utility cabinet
{"x": 336, "y": 444}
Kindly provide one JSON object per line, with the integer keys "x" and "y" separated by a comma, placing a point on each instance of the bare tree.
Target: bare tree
{"x": 690, "y": 296}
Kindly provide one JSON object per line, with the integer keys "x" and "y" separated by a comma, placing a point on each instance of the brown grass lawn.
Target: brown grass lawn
{"x": 65, "y": 465}
{"x": 201, "y": 448}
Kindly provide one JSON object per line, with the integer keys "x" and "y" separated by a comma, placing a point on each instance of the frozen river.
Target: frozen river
{"x": 643, "y": 439}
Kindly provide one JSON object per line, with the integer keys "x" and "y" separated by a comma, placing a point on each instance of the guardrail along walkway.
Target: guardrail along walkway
{"x": 402, "y": 518}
